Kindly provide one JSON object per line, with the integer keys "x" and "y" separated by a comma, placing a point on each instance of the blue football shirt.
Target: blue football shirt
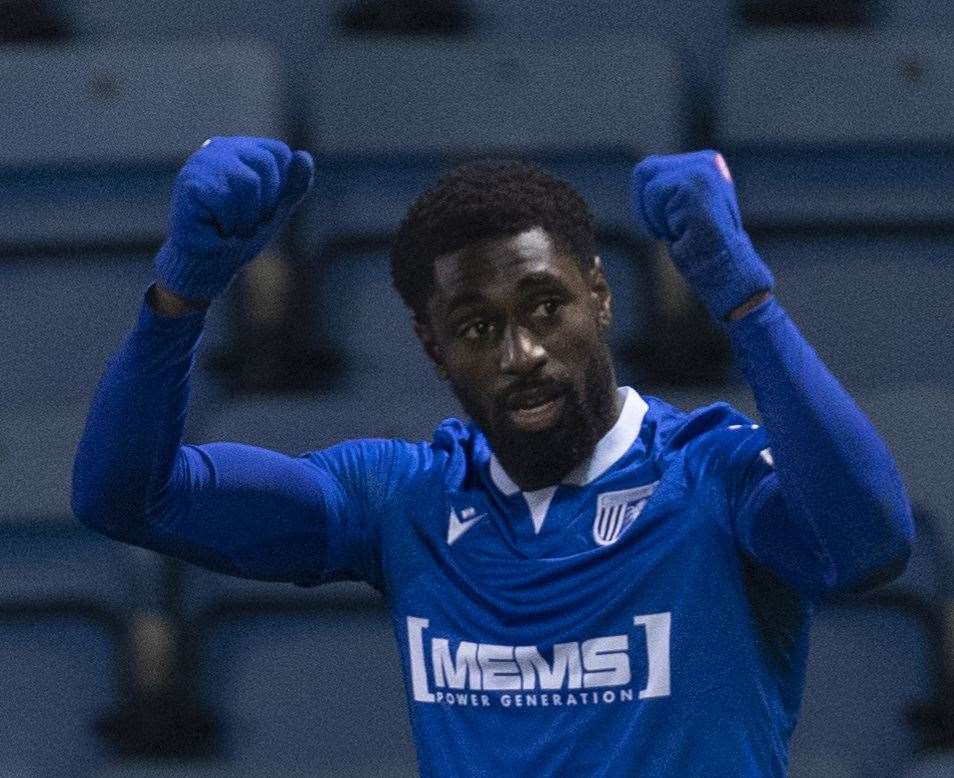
{"x": 615, "y": 624}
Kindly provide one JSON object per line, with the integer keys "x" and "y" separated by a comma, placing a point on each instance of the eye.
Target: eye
{"x": 548, "y": 308}
{"x": 475, "y": 330}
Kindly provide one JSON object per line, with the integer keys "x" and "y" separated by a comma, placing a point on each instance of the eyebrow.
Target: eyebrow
{"x": 540, "y": 278}
{"x": 464, "y": 299}
{"x": 531, "y": 281}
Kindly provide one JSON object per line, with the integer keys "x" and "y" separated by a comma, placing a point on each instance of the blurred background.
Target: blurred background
{"x": 837, "y": 120}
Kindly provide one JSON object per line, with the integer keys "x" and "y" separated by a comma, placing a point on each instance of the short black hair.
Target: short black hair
{"x": 484, "y": 199}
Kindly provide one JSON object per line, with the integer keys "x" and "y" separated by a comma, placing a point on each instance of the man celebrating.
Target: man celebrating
{"x": 582, "y": 580}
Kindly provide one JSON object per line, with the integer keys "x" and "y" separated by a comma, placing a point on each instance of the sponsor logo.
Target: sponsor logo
{"x": 615, "y": 511}
{"x": 592, "y": 671}
{"x": 457, "y": 526}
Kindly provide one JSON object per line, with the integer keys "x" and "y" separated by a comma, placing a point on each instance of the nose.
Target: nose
{"x": 521, "y": 353}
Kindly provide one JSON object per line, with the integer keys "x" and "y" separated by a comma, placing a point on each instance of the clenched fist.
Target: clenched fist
{"x": 229, "y": 199}
{"x": 689, "y": 201}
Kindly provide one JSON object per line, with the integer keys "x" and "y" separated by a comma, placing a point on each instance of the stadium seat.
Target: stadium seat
{"x": 60, "y": 670}
{"x": 869, "y": 667}
{"x": 170, "y": 768}
{"x": 388, "y": 117}
{"x": 295, "y": 35}
{"x": 899, "y": 410}
{"x": 61, "y": 320}
{"x": 95, "y": 133}
{"x": 63, "y": 315}
{"x": 698, "y": 33}
{"x": 835, "y": 128}
{"x": 365, "y": 320}
{"x": 306, "y": 685}
{"x": 873, "y": 304}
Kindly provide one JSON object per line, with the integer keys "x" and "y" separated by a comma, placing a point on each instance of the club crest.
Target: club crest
{"x": 615, "y": 511}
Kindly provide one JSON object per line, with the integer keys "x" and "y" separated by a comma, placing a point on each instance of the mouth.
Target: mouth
{"x": 536, "y": 409}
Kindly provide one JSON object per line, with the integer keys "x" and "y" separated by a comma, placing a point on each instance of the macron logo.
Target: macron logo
{"x": 458, "y": 526}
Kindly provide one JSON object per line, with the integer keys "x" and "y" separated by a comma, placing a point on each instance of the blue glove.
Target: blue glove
{"x": 689, "y": 201}
{"x": 229, "y": 199}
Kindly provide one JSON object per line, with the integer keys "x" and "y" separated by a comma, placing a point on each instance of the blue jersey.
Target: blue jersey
{"x": 612, "y": 625}
{"x": 647, "y": 616}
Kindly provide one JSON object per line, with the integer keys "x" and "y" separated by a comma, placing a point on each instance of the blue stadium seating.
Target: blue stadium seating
{"x": 377, "y": 768}
{"x": 869, "y": 666}
{"x": 65, "y": 562}
{"x": 314, "y": 685}
{"x": 60, "y": 321}
{"x": 94, "y": 142}
{"x": 835, "y": 128}
{"x": 388, "y": 117}
{"x": 60, "y": 670}
{"x": 914, "y": 14}
{"x": 857, "y": 327}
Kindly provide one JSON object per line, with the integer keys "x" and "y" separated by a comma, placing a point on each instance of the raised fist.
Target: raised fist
{"x": 229, "y": 199}
{"x": 689, "y": 201}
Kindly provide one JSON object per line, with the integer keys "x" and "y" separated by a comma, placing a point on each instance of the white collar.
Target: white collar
{"x": 609, "y": 449}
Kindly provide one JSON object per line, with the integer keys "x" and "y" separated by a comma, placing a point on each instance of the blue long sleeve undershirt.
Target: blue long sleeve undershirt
{"x": 838, "y": 481}
{"x": 257, "y": 513}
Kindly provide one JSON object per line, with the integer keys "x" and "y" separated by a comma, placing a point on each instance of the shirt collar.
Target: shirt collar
{"x": 609, "y": 449}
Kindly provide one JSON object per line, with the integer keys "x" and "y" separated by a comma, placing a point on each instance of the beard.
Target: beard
{"x": 542, "y": 458}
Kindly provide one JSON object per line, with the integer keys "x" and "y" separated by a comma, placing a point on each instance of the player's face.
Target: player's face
{"x": 517, "y": 328}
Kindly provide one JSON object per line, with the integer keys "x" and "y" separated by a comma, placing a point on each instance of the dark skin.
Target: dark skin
{"x": 518, "y": 328}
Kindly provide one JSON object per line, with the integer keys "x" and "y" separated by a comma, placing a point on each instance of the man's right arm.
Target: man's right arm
{"x": 238, "y": 509}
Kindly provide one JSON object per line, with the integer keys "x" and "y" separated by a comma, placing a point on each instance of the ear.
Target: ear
{"x": 600, "y": 294}
{"x": 424, "y": 334}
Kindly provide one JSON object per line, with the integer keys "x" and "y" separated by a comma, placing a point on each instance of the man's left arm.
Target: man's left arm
{"x": 835, "y": 501}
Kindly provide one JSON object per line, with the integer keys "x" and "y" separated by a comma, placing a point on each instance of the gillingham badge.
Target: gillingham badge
{"x": 615, "y": 511}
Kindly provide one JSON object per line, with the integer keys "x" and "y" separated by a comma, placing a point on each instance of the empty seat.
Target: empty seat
{"x": 314, "y": 685}
{"x": 96, "y": 132}
{"x": 869, "y": 667}
{"x": 60, "y": 670}
{"x": 835, "y": 128}
{"x": 873, "y": 304}
{"x": 389, "y": 117}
